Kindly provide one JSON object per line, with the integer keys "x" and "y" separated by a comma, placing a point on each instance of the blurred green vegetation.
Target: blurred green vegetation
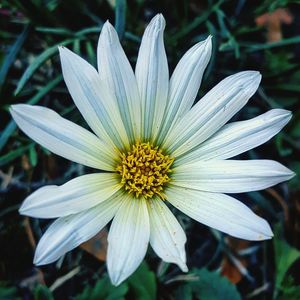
{"x": 30, "y": 72}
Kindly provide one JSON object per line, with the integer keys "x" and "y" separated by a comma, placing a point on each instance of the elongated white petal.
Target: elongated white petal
{"x": 152, "y": 75}
{"x": 238, "y": 137}
{"x": 231, "y": 176}
{"x": 185, "y": 83}
{"x": 127, "y": 239}
{"x": 63, "y": 137}
{"x": 67, "y": 233}
{"x": 221, "y": 212}
{"x": 114, "y": 69}
{"x": 91, "y": 96}
{"x": 212, "y": 112}
{"x": 167, "y": 237}
{"x": 78, "y": 194}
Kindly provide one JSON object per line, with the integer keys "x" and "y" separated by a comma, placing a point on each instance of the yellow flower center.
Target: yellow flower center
{"x": 144, "y": 170}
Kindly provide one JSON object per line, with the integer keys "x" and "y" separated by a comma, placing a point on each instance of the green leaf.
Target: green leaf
{"x": 281, "y": 43}
{"x": 143, "y": 283}
{"x": 91, "y": 53}
{"x": 196, "y": 22}
{"x": 208, "y": 286}
{"x": 11, "y": 56}
{"x": 6, "y": 133}
{"x": 184, "y": 292}
{"x": 295, "y": 125}
{"x": 281, "y": 148}
{"x": 103, "y": 289}
{"x": 33, "y": 156}
{"x": 263, "y": 202}
{"x": 289, "y": 290}
{"x": 6, "y": 158}
{"x": 56, "y": 31}
{"x": 40, "y": 59}
{"x": 120, "y": 17}
{"x": 285, "y": 256}
{"x": 11, "y": 126}
{"x": 41, "y": 292}
{"x": 8, "y": 293}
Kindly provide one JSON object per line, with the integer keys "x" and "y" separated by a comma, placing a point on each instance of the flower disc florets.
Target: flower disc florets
{"x": 144, "y": 170}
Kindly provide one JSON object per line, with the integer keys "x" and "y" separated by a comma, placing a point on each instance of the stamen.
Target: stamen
{"x": 144, "y": 170}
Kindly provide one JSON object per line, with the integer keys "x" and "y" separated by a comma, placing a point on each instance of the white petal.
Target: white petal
{"x": 114, "y": 69}
{"x": 76, "y": 195}
{"x": 230, "y": 176}
{"x": 63, "y": 137}
{"x": 212, "y": 112}
{"x": 185, "y": 83}
{"x": 221, "y": 212}
{"x": 152, "y": 75}
{"x": 66, "y": 233}
{"x": 238, "y": 137}
{"x": 91, "y": 96}
{"x": 127, "y": 239}
{"x": 167, "y": 237}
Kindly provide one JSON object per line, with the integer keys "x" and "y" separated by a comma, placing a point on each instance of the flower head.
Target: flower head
{"x": 157, "y": 148}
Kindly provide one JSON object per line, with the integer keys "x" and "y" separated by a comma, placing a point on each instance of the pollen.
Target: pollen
{"x": 144, "y": 170}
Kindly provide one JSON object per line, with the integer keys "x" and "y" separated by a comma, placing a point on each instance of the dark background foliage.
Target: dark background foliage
{"x": 261, "y": 35}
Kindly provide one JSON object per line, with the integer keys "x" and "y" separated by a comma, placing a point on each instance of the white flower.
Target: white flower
{"x": 157, "y": 150}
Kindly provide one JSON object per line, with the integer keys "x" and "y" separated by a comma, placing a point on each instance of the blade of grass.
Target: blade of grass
{"x": 10, "y": 57}
{"x": 40, "y": 59}
{"x": 11, "y": 127}
{"x": 283, "y": 42}
{"x": 120, "y": 17}
{"x": 57, "y": 31}
{"x": 6, "y": 133}
{"x": 132, "y": 37}
{"x": 6, "y": 158}
{"x": 90, "y": 53}
{"x": 196, "y": 22}
{"x": 88, "y": 30}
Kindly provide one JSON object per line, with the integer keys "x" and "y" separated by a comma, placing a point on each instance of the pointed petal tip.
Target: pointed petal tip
{"x": 62, "y": 50}
{"x": 266, "y": 233}
{"x": 283, "y": 113}
{"x": 15, "y": 107}
{"x": 204, "y": 46}
{"x": 38, "y": 259}
{"x": 183, "y": 267}
{"x": 292, "y": 174}
{"x": 108, "y": 33}
{"x": 284, "y": 171}
{"x": 157, "y": 24}
{"x": 18, "y": 109}
{"x": 158, "y": 18}
{"x": 264, "y": 237}
{"x": 11, "y": 108}
{"x": 207, "y": 43}
{"x": 287, "y": 115}
{"x": 28, "y": 210}
{"x": 115, "y": 279}
{"x": 107, "y": 26}
{"x": 65, "y": 53}
{"x": 253, "y": 75}
{"x": 22, "y": 209}
{"x": 256, "y": 76}
{"x": 249, "y": 80}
